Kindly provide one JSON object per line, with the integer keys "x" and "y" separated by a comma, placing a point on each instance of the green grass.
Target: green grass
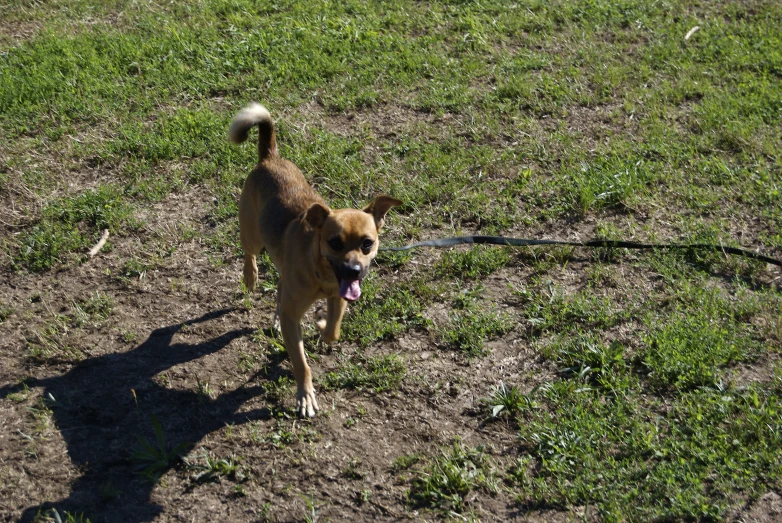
{"x": 658, "y": 431}
{"x": 66, "y": 517}
{"x": 214, "y": 469}
{"x": 385, "y": 311}
{"x": 152, "y": 460}
{"x": 448, "y": 478}
{"x": 553, "y": 119}
{"x": 506, "y": 400}
{"x": 73, "y": 224}
{"x": 96, "y": 308}
{"x": 631, "y": 458}
{"x": 468, "y": 331}
{"x": 377, "y": 374}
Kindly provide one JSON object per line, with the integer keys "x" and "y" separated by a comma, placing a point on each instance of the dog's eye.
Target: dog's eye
{"x": 366, "y": 245}
{"x": 335, "y": 244}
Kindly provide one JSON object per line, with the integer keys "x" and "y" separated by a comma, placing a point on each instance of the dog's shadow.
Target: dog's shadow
{"x": 105, "y": 406}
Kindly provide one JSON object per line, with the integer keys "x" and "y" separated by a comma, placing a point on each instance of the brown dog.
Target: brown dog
{"x": 319, "y": 252}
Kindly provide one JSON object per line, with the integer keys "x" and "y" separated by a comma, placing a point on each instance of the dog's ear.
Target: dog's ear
{"x": 316, "y": 215}
{"x": 379, "y": 207}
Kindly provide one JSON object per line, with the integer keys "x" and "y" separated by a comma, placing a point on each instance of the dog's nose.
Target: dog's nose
{"x": 351, "y": 271}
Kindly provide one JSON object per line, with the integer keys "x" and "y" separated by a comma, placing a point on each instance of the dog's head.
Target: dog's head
{"x": 348, "y": 240}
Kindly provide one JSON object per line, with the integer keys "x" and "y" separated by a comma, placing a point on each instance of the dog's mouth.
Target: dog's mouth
{"x": 349, "y": 289}
{"x": 349, "y": 276}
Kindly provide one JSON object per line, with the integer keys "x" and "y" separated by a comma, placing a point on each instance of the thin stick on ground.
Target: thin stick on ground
{"x": 98, "y": 246}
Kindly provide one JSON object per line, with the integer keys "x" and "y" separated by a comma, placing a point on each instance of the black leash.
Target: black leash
{"x": 520, "y": 242}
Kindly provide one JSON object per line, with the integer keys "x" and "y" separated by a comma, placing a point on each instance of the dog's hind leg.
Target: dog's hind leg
{"x": 250, "y": 236}
{"x": 250, "y": 271}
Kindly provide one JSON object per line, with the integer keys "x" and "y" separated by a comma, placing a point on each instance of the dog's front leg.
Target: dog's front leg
{"x": 290, "y": 321}
{"x": 330, "y": 325}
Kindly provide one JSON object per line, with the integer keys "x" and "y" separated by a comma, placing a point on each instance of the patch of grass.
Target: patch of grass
{"x": 384, "y": 312}
{"x": 21, "y": 396}
{"x": 507, "y": 400}
{"x": 352, "y": 421}
{"x": 133, "y": 269}
{"x": 590, "y": 359}
{"x": 608, "y": 183}
{"x": 97, "y": 308}
{"x": 66, "y": 517}
{"x": 128, "y": 336}
{"x": 49, "y": 342}
{"x": 279, "y": 389}
{"x": 5, "y": 313}
{"x": 375, "y": 373}
{"x": 214, "y": 469}
{"x": 690, "y": 350}
{"x": 351, "y": 470}
{"x": 474, "y": 263}
{"x": 468, "y": 331}
{"x": 286, "y": 434}
{"x": 152, "y": 460}
{"x": 73, "y": 224}
{"x": 549, "y": 308}
{"x": 204, "y": 391}
{"x": 450, "y": 477}
{"x": 41, "y": 413}
{"x": 706, "y": 332}
{"x": 591, "y": 449}
{"x": 405, "y": 462}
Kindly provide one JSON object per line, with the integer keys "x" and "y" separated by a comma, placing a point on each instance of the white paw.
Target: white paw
{"x": 320, "y": 318}
{"x": 306, "y": 403}
{"x": 276, "y": 322}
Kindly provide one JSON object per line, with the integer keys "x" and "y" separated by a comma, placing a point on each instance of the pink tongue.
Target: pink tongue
{"x": 350, "y": 290}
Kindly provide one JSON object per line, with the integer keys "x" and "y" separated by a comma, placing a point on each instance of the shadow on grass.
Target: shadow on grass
{"x": 101, "y": 421}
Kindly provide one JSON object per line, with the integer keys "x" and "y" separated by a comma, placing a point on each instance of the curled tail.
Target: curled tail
{"x": 252, "y": 115}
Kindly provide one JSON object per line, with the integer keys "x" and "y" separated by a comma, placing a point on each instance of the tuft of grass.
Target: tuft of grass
{"x": 608, "y": 183}
{"x": 286, "y": 434}
{"x": 405, "y": 462}
{"x": 66, "y": 517}
{"x": 689, "y": 351}
{"x": 279, "y": 389}
{"x": 474, "y": 263}
{"x": 549, "y": 308}
{"x": 152, "y": 460}
{"x": 73, "y": 224}
{"x": 507, "y": 400}
{"x": 214, "y": 469}
{"x": 450, "y": 477}
{"x": 133, "y": 269}
{"x": 5, "y": 313}
{"x": 384, "y": 312}
{"x": 469, "y": 330}
{"x": 378, "y": 374}
{"x": 588, "y": 358}
{"x": 50, "y": 342}
{"x": 97, "y": 308}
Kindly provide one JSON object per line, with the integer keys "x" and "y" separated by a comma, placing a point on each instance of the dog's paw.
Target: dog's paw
{"x": 306, "y": 403}
{"x": 320, "y": 318}
{"x": 276, "y": 322}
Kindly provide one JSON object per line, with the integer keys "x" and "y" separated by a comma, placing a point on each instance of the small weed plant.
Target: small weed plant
{"x": 450, "y": 477}
{"x": 152, "y": 460}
